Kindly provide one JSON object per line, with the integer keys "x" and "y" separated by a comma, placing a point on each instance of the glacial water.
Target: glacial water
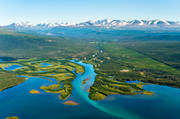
{"x": 45, "y": 64}
{"x": 17, "y": 101}
{"x": 13, "y": 67}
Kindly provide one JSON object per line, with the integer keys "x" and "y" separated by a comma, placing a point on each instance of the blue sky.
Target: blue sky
{"x": 39, "y": 11}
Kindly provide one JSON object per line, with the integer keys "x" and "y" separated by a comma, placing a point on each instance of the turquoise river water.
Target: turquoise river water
{"x": 17, "y": 101}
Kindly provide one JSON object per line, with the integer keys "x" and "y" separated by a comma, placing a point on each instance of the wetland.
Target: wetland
{"x": 88, "y": 78}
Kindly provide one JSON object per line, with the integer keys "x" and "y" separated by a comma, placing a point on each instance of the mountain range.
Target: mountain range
{"x": 106, "y": 23}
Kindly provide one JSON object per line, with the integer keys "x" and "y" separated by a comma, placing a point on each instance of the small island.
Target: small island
{"x": 14, "y": 117}
{"x": 85, "y": 80}
{"x": 34, "y": 91}
{"x": 70, "y": 102}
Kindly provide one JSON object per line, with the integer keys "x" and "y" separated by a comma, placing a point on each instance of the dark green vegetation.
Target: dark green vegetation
{"x": 105, "y": 85}
{"x": 142, "y": 67}
{"x": 156, "y": 61}
{"x": 116, "y": 64}
{"x": 25, "y": 45}
{"x": 8, "y": 80}
{"x": 167, "y": 52}
{"x": 150, "y": 58}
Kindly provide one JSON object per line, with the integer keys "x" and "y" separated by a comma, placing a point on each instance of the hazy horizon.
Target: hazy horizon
{"x": 44, "y": 11}
{"x": 80, "y": 21}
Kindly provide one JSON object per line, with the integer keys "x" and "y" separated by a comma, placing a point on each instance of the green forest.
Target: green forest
{"x": 115, "y": 61}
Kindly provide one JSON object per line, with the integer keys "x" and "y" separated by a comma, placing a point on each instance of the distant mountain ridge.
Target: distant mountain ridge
{"x": 106, "y": 23}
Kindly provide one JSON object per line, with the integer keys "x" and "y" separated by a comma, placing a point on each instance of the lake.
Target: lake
{"x": 17, "y": 101}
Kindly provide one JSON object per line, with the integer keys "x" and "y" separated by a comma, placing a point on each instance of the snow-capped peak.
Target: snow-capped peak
{"x": 22, "y": 24}
{"x": 105, "y": 23}
{"x": 161, "y": 22}
{"x": 67, "y": 24}
{"x": 137, "y": 22}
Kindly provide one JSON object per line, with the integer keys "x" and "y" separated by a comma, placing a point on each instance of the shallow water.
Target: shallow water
{"x": 42, "y": 71}
{"x": 164, "y": 104}
{"x": 13, "y": 67}
{"x": 45, "y": 64}
{"x": 133, "y": 82}
{"x": 17, "y": 101}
